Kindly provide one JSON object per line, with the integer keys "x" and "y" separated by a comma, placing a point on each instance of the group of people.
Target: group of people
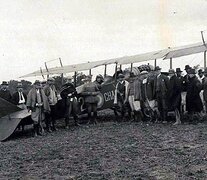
{"x": 43, "y": 98}
{"x": 155, "y": 95}
{"x": 150, "y": 95}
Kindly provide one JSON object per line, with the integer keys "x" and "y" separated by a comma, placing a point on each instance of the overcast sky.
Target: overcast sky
{"x": 35, "y": 31}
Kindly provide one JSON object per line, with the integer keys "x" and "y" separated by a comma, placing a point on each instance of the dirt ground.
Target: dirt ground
{"x": 108, "y": 150}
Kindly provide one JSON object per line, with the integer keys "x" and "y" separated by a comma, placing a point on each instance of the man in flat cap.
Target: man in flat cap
{"x": 4, "y": 92}
{"x": 37, "y": 103}
{"x": 51, "y": 93}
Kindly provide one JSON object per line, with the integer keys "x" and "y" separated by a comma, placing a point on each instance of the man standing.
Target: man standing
{"x": 37, "y": 103}
{"x": 19, "y": 98}
{"x": 68, "y": 94}
{"x": 90, "y": 92}
{"x": 161, "y": 89}
{"x": 193, "y": 100}
{"x": 134, "y": 104}
{"x": 121, "y": 95}
{"x": 51, "y": 93}
{"x": 4, "y": 92}
{"x": 174, "y": 96}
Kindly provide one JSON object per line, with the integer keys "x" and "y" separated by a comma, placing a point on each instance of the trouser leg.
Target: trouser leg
{"x": 177, "y": 116}
{"x": 89, "y": 110}
{"x": 53, "y": 118}
{"x": 48, "y": 122}
{"x": 94, "y": 109}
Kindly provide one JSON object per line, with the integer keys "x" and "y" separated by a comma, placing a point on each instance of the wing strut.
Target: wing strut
{"x": 47, "y": 69}
{"x": 42, "y": 73}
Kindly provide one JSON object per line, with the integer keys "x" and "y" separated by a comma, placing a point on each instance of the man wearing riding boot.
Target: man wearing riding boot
{"x": 174, "y": 96}
{"x": 38, "y": 104}
{"x": 121, "y": 96}
{"x": 4, "y": 91}
{"x": 90, "y": 92}
{"x": 134, "y": 104}
{"x": 69, "y": 102}
{"x": 161, "y": 89}
{"x": 51, "y": 93}
{"x": 193, "y": 101}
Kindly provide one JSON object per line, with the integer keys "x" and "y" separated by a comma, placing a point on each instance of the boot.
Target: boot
{"x": 39, "y": 130}
{"x": 66, "y": 123}
{"x": 139, "y": 116}
{"x": 95, "y": 118}
{"x": 89, "y": 118}
{"x": 177, "y": 116}
{"x": 53, "y": 126}
{"x": 76, "y": 121}
{"x": 35, "y": 130}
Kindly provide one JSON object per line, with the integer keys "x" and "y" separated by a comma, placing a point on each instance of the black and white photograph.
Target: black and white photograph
{"x": 103, "y": 89}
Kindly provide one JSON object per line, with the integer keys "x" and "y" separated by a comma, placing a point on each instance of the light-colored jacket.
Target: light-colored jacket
{"x": 32, "y": 100}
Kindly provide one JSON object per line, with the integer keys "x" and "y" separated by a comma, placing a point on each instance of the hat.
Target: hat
{"x": 171, "y": 71}
{"x": 43, "y": 82}
{"x": 157, "y": 68}
{"x": 89, "y": 77}
{"x": 120, "y": 75}
{"x": 99, "y": 76}
{"x": 192, "y": 71}
{"x": 19, "y": 85}
{"x": 50, "y": 79}
{"x": 178, "y": 70}
{"x": 187, "y": 67}
{"x": 200, "y": 71}
{"x": 144, "y": 72}
{"x": 37, "y": 82}
{"x": 4, "y": 83}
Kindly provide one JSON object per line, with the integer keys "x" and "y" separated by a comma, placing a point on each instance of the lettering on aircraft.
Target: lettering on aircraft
{"x": 108, "y": 96}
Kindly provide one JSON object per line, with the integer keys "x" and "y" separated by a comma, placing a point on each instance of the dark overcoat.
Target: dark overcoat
{"x": 174, "y": 93}
{"x": 15, "y": 98}
{"x": 193, "y": 100}
{"x": 6, "y": 95}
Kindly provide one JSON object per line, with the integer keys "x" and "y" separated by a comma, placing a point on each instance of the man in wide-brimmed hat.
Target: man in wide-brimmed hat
{"x": 193, "y": 100}
{"x": 51, "y": 93}
{"x": 19, "y": 97}
{"x": 4, "y": 91}
{"x": 38, "y": 104}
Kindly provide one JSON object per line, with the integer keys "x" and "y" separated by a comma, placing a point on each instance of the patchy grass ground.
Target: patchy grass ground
{"x": 108, "y": 150}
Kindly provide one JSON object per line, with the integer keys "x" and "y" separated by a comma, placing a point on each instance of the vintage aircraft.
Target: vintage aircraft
{"x": 11, "y": 119}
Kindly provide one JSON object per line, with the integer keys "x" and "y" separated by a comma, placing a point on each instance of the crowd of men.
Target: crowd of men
{"x": 158, "y": 95}
{"x": 150, "y": 95}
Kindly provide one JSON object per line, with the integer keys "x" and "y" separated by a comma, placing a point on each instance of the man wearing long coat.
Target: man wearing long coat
{"x": 193, "y": 100}
{"x": 161, "y": 89}
{"x": 174, "y": 95}
{"x": 38, "y": 104}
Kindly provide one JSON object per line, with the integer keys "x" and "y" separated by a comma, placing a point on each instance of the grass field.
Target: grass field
{"x": 108, "y": 150}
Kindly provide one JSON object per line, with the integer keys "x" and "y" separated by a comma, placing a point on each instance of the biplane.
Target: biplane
{"x": 10, "y": 120}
